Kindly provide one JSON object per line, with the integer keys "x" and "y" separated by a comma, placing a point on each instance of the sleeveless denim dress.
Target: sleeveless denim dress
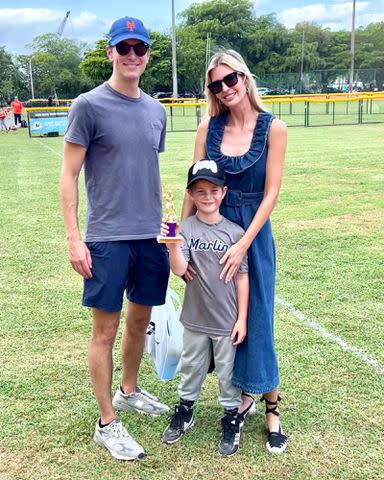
{"x": 256, "y": 368}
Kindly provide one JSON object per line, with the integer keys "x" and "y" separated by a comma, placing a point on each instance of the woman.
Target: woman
{"x": 249, "y": 144}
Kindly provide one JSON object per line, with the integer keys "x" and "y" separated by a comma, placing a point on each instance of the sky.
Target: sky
{"x": 89, "y": 20}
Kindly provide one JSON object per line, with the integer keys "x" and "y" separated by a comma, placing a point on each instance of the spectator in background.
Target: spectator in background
{"x": 50, "y": 101}
{"x": 3, "y": 121}
{"x": 17, "y": 108}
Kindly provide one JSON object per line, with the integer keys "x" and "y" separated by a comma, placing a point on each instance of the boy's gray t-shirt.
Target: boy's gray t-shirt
{"x": 123, "y": 137}
{"x": 210, "y": 305}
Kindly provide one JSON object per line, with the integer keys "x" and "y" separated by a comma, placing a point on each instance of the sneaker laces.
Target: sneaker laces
{"x": 177, "y": 418}
{"x": 118, "y": 429}
{"x": 230, "y": 425}
{"x": 144, "y": 393}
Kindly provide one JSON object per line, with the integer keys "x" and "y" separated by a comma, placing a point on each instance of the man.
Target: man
{"x": 17, "y": 108}
{"x": 117, "y": 131}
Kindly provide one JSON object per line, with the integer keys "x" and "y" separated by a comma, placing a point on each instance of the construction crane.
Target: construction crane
{"x": 62, "y": 24}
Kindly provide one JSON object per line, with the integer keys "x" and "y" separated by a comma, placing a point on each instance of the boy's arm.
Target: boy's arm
{"x": 242, "y": 288}
{"x": 176, "y": 259}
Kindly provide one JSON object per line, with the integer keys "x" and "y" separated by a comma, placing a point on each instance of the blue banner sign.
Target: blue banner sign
{"x": 47, "y": 122}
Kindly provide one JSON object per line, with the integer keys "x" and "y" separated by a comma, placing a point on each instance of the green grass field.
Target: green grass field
{"x": 328, "y": 228}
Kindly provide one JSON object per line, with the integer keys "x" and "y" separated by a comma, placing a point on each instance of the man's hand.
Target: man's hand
{"x": 80, "y": 258}
{"x": 239, "y": 332}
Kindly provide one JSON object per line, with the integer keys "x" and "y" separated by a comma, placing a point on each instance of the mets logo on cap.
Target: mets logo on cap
{"x": 131, "y": 25}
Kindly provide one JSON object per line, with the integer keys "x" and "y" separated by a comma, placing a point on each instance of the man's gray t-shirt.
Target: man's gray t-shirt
{"x": 210, "y": 305}
{"x": 123, "y": 137}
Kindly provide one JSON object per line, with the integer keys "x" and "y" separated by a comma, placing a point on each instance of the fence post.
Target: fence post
{"x": 360, "y": 112}
{"x": 333, "y": 113}
{"x": 171, "y": 113}
{"x": 306, "y": 114}
{"x": 198, "y": 115}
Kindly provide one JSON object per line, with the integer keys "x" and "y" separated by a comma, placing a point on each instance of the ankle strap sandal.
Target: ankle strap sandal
{"x": 277, "y": 441}
{"x": 251, "y": 408}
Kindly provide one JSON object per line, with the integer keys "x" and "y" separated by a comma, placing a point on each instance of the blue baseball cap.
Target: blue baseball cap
{"x": 128, "y": 28}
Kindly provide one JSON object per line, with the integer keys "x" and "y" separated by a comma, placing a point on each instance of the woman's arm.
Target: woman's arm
{"x": 199, "y": 153}
{"x": 277, "y": 144}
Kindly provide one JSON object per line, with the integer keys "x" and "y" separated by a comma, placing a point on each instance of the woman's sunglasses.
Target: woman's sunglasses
{"x": 230, "y": 80}
{"x": 140, "y": 49}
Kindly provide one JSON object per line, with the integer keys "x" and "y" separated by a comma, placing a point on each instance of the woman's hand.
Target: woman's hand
{"x": 239, "y": 332}
{"x": 190, "y": 274}
{"x": 232, "y": 260}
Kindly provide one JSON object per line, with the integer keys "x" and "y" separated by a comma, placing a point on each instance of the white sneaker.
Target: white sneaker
{"x": 115, "y": 438}
{"x": 139, "y": 401}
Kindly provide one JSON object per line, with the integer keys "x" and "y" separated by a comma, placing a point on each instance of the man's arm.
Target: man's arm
{"x": 79, "y": 256}
{"x": 242, "y": 288}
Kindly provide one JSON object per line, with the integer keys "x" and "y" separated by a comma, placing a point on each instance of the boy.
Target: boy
{"x": 214, "y": 313}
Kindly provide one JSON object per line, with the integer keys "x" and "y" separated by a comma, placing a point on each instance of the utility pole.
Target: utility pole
{"x": 302, "y": 61}
{"x": 174, "y": 64}
{"x": 31, "y": 78}
{"x": 351, "y": 73}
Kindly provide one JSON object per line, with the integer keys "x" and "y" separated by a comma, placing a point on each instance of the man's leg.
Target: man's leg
{"x": 100, "y": 361}
{"x": 132, "y": 344}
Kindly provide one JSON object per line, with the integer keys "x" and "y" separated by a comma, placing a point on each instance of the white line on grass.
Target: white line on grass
{"x": 48, "y": 147}
{"x": 300, "y": 316}
{"x": 330, "y": 336}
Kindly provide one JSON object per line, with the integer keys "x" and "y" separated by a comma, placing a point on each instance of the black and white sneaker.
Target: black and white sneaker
{"x": 181, "y": 421}
{"x": 230, "y": 434}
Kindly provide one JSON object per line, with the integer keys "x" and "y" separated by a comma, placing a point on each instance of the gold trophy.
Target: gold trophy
{"x": 170, "y": 220}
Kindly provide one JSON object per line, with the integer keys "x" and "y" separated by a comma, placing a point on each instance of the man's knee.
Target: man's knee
{"x": 137, "y": 318}
{"x": 105, "y": 327}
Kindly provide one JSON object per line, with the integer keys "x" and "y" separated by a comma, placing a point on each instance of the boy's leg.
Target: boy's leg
{"x": 224, "y": 355}
{"x": 195, "y": 361}
{"x": 229, "y": 397}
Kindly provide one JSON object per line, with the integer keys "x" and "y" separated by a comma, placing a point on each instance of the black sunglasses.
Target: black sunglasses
{"x": 140, "y": 49}
{"x": 230, "y": 80}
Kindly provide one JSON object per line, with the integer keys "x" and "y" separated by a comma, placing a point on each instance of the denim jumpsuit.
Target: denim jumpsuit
{"x": 256, "y": 368}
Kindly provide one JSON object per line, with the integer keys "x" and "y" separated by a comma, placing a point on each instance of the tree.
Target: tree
{"x": 12, "y": 80}
{"x": 55, "y": 64}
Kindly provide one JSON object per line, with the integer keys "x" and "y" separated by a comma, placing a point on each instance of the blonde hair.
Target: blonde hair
{"x": 235, "y": 61}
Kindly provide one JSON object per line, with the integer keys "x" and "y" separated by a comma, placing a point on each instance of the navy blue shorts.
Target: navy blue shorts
{"x": 139, "y": 267}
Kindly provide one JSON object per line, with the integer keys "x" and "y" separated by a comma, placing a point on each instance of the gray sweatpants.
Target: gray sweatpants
{"x": 195, "y": 361}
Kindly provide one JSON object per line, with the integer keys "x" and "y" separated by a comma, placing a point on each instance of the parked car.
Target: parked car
{"x": 160, "y": 95}
{"x": 262, "y": 91}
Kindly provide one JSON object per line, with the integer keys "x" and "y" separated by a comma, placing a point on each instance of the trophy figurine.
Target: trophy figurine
{"x": 170, "y": 220}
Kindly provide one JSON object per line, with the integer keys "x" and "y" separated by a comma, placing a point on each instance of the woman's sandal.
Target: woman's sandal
{"x": 250, "y": 409}
{"x": 277, "y": 441}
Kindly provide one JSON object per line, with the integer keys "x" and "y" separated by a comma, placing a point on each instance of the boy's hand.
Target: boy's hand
{"x": 239, "y": 332}
{"x": 164, "y": 229}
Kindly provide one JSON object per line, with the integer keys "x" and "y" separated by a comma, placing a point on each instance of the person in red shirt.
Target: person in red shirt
{"x": 3, "y": 123}
{"x": 17, "y": 108}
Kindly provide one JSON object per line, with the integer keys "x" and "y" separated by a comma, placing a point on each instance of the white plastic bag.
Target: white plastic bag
{"x": 164, "y": 339}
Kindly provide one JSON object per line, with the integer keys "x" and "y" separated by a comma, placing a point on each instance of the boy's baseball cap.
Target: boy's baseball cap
{"x": 206, "y": 170}
{"x": 128, "y": 28}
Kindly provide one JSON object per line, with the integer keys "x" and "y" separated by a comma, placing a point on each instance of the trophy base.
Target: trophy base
{"x": 177, "y": 239}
